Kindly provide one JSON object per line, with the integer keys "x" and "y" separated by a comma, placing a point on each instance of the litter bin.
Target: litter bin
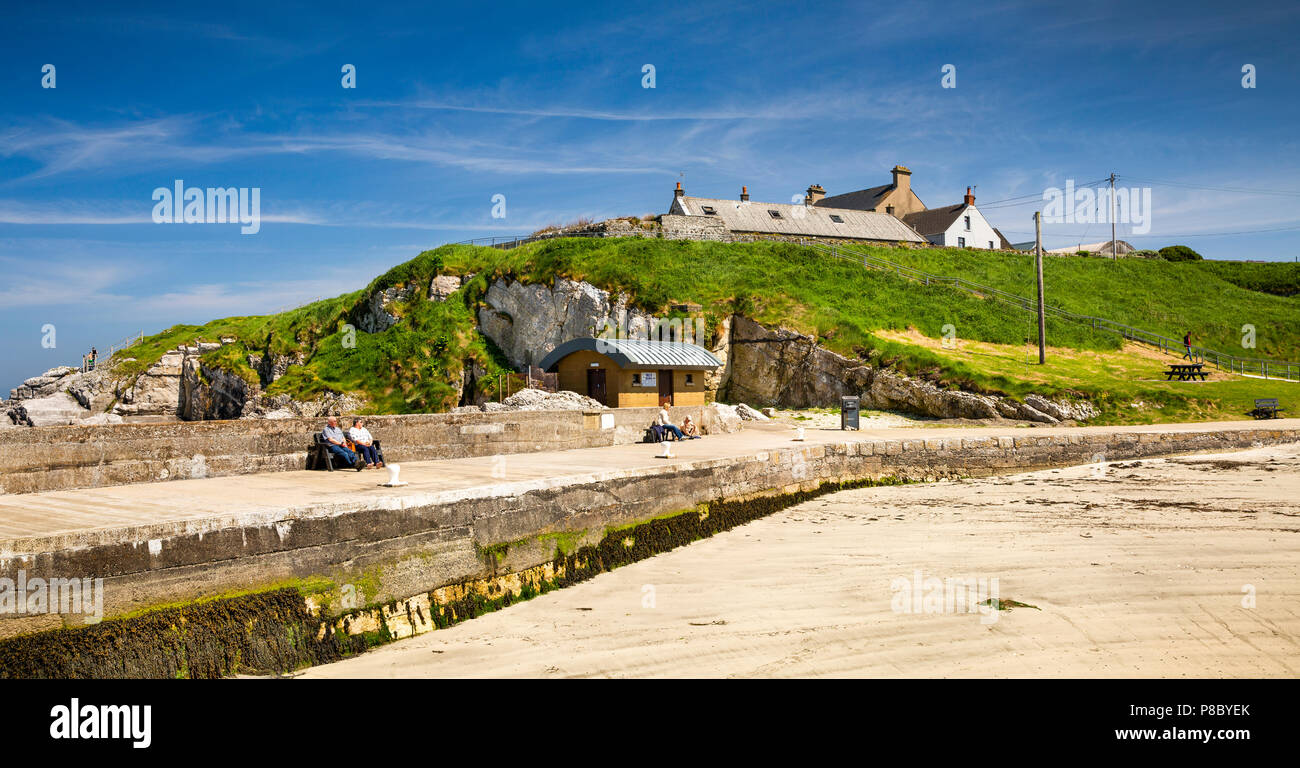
{"x": 849, "y": 412}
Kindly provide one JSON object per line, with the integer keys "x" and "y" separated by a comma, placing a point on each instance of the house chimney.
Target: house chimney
{"x": 970, "y": 199}
{"x": 744, "y": 194}
{"x": 679, "y": 192}
{"x": 815, "y": 193}
{"x": 902, "y": 178}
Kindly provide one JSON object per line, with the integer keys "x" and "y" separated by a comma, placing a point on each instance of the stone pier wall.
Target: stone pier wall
{"x": 68, "y": 457}
{"x": 389, "y": 548}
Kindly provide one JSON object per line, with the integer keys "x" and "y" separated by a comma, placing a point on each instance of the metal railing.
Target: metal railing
{"x": 89, "y": 365}
{"x": 507, "y": 243}
{"x": 1247, "y": 366}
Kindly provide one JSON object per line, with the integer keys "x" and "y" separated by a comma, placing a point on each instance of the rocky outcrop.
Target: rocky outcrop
{"x": 538, "y": 400}
{"x": 49, "y": 410}
{"x": 285, "y": 407}
{"x": 212, "y": 393}
{"x": 783, "y": 368}
{"x": 715, "y": 380}
{"x": 443, "y": 286}
{"x": 374, "y": 317}
{"x": 528, "y": 320}
{"x": 270, "y": 367}
{"x": 156, "y": 391}
{"x": 787, "y": 369}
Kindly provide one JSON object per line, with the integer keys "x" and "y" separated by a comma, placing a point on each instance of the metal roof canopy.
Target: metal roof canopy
{"x": 638, "y": 353}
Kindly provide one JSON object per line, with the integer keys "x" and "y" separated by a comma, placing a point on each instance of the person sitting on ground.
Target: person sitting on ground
{"x": 334, "y": 442}
{"x": 667, "y": 426}
{"x": 365, "y": 443}
{"x": 689, "y": 429}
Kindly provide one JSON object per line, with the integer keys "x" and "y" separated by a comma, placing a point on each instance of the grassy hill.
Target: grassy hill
{"x": 878, "y": 316}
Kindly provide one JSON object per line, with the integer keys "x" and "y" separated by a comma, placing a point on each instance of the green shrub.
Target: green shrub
{"x": 1179, "y": 253}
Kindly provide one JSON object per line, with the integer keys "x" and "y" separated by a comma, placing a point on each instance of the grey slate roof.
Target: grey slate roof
{"x": 932, "y": 221}
{"x": 638, "y": 353}
{"x": 798, "y": 219}
{"x": 862, "y": 200}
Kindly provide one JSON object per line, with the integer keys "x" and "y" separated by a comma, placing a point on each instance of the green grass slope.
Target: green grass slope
{"x": 1213, "y": 300}
{"x": 415, "y": 365}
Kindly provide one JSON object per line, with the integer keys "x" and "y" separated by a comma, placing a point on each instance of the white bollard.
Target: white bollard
{"x": 666, "y": 452}
{"x": 798, "y": 434}
{"x": 393, "y": 482}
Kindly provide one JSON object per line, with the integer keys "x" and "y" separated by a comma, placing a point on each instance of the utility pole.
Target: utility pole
{"x": 1038, "y": 267}
{"x": 1113, "y": 254}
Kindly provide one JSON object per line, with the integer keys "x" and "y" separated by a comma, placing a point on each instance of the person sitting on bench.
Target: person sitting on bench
{"x": 365, "y": 443}
{"x": 335, "y": 444}
{"x": 666, "y": 425}
{"x": 689, "y": 429}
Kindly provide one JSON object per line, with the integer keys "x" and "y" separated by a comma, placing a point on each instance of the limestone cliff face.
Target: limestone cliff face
{"x": 528, "y": 320}
{"x": 783, "y": 368}
{"x": 212, "y": 393}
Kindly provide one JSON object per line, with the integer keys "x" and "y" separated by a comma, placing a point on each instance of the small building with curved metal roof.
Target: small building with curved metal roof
{"x": 632, "y": 373}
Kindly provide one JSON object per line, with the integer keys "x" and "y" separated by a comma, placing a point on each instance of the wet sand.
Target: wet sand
{"x": 1133, "y": 569}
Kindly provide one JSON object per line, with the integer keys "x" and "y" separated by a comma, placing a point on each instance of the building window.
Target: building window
{"x": 967, "y": 223}
{"x": 990, "y": 245}
{"x": 961, "y": 242}
{"x": 636, "y": 379}
{"x": 709, "y": 210}
{"x": 889, "y": 209}
{"x": 835, "y": 217}
{"x": 690, "y": 379}
{"x": 773, "y": 213}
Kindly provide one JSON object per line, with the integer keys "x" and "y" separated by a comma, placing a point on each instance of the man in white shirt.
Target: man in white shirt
{"x": 664, "y": 422}
{"x": 365, "y": 443}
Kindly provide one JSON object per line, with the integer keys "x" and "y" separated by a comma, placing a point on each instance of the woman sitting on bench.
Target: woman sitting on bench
{"x": 365, "y": 444}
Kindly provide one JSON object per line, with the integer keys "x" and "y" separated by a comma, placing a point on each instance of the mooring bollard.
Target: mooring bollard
{"x": 393, "y": 471}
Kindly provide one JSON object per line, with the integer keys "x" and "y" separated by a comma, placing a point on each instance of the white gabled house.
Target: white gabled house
{"x": 957, "y": 226}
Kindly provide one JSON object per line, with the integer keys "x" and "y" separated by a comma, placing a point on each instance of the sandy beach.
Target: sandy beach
{"x": 1180, "y": 567}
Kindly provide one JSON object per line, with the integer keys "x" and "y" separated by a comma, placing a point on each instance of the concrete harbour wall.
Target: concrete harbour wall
{"x": 65, "y": 457}
{"x": 397, "y": 546}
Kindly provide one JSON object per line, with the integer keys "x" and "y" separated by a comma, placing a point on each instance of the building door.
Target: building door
{"x": 665, "y": 388}
{"x": 596, "y": 385}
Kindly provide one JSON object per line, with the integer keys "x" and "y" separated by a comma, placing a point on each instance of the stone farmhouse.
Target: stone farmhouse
{"x": 957, "y": 226}
{"x": 890, "y": 213}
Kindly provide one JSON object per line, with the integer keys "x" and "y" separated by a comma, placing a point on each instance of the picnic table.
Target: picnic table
{"x": 1185, "y": 371}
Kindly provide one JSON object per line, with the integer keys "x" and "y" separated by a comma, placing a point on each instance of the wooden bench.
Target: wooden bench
{"x": 1266, "y": 408}
{"x": 319, "y": 455}
{"x": 1185, "y": 371}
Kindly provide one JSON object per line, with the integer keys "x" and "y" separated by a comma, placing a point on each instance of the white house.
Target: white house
{"x": 957, "y": 226}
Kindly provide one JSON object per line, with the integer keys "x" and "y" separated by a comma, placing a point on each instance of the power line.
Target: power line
{"x": 1012, "y": 202}
{"x": 1190, "y": 234}
{"x": 1243, "y": 190}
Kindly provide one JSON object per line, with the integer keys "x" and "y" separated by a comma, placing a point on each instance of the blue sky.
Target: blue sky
{"x": 544, "y": 104}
